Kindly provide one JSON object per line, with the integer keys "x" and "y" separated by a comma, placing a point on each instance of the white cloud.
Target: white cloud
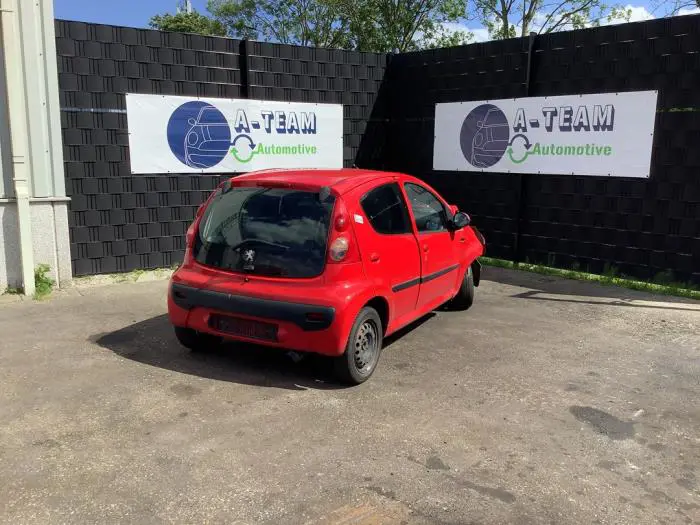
{"x": 638, "y": 13}
{"x": 481, "y": 34}
{"x": 689, "y": 11}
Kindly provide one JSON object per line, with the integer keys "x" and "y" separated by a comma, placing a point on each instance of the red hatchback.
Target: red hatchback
{"x": 329, "y": 262}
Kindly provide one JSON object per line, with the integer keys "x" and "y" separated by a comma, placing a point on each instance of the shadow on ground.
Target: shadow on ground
{"x": 152, "y": 342}
{"x": 556, "y": 289}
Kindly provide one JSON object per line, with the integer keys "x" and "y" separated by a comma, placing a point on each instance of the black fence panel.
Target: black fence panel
{"x": 647, "y": 228}
{"x": 121, "y": 222}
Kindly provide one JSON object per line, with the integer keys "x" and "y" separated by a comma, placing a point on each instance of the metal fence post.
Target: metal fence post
{"x": 243, "y": 65}
{"x": 524, "y": 177}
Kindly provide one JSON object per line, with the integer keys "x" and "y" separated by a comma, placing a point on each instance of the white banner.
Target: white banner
{"x": 605, "y": 134}
{"x": 208, "y": 135}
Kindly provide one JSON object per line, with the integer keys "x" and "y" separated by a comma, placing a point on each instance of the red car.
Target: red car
{"x": 323, "y": 261}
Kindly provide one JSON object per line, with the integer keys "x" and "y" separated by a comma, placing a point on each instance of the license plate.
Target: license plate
{"x": 244, "y": 327}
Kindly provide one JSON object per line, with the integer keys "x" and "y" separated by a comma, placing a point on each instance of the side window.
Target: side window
{"x": 386, "y": 210}
{"x": 427, "y": 209}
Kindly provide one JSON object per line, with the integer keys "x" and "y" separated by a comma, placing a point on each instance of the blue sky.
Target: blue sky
{"x": 136, "y": 13}
{"x": 132, "y": 13}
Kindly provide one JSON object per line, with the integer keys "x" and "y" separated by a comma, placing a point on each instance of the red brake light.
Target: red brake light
{"x": 342, "y": 244}
{"x": 341, "y": 223}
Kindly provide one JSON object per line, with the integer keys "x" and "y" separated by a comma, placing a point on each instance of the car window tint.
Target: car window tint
{"x": 386, "y": 210}
{"x": 427, "y": 209}
{"x": 276, "y": 232}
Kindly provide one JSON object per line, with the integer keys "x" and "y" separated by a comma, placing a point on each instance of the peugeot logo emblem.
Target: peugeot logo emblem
{"x": 249, "y": 256}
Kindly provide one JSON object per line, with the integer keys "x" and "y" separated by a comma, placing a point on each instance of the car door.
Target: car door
{"x": 439, "y": 264}
{"x": 389, "y": 247}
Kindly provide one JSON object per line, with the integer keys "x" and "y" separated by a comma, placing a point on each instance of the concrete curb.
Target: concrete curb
{"x": 139, "y": 276}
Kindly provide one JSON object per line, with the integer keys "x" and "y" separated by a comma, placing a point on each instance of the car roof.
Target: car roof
{"x": 341, "y": 180}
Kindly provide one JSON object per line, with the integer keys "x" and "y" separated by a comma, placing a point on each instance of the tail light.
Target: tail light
{"x": 342, "y": 247}
{"x": 189, "y": 241}
{"x": 339, "y": 249}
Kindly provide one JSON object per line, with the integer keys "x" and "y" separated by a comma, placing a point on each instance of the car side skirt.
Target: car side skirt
{"x": 425, "y": 279}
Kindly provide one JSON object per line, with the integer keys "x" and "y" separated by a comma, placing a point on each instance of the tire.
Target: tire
{"x": 363, "y": 349}
{"x": 465, "y": 296}
{"x": 196, "y": 341}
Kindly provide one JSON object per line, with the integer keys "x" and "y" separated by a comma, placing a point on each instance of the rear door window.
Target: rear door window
{"x": 277, "y": 232}
{"x": 386, "y": 210}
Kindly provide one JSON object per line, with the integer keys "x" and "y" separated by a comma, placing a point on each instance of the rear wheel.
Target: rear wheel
{"x": 196, "y": 341}
{"x": 364, "y": 347}
{"x": 465, "y": 296}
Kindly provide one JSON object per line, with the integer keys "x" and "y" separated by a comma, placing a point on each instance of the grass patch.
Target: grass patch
{"x": 43, "y": 284}
{"x": 130, "y": 277}
{"x": 13, "y": 291}
{"x": 662, "y": 284}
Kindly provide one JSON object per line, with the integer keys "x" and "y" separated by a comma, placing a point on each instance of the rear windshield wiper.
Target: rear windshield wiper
{"x": 257, "y": 241}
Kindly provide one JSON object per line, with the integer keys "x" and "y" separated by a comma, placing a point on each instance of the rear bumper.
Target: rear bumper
{"x": 310, "y": 318}
{"x": 302, "y": 327}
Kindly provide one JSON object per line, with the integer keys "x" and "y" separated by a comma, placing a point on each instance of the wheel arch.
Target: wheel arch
{"x": 476, "y": 271}
{"x": 381, "y": 305}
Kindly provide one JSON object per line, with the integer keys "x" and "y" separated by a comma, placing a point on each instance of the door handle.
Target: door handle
{"x": 374, "y": 257}
{"x": 462, "y": 240}
{"x": 425, "y": 248}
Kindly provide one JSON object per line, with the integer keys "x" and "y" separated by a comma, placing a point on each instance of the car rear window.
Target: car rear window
{"x": 276, "y": 232}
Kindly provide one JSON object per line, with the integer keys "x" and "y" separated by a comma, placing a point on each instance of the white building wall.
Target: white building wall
{"x": 48, "y": 205}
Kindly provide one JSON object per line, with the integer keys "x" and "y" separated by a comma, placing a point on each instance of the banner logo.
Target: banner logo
{"x": 174, "y": 134}
{"x": 484, "y": 136}
{"x": 200, "y": 136}
{"x": 603, "y": 134}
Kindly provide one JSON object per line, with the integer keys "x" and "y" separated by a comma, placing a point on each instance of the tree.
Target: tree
{"x": 512, "y": 18}
{"x": 674, "y": 7}
{"x": 193, "y": 22}
{"x": 319, "y": 23}
{"x": 365, "y": 25}
{"x": 406, "y": 25}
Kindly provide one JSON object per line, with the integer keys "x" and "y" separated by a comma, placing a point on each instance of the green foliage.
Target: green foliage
{"x": 387, "y": 25}
{"x": 183, "y": 22}
{"x": 511, "y": 18}
{"x": 43, "y": 284}
{"x": 318, "y": 23}
{"x": 12, "y": 291}
{"x": 406, "y": 25}
{"x": 364, "y": 25}
{"x": 664, "y": 8}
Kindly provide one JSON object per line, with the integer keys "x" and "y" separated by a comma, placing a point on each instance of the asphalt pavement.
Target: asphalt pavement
{"x": 550, "y": 401}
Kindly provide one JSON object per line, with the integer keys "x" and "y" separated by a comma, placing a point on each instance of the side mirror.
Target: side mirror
{"x": 460, "y": 220}
{"x": 453, "y": 209}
